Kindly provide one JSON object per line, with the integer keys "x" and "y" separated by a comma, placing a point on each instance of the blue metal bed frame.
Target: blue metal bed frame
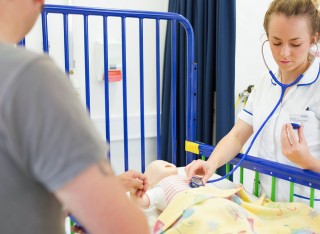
{"x": 156, "y": 16}
{"x": 295, "y": 175}
{"x": 278, "y": 171}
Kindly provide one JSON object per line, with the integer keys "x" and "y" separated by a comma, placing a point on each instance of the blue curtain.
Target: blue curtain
{"x": 213, "y": 22}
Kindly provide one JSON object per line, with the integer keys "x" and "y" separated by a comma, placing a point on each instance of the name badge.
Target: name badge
{"x": 299, "y": 118}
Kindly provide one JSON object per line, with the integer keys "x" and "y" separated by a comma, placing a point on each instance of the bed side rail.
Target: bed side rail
{"x": 276, "y": 170}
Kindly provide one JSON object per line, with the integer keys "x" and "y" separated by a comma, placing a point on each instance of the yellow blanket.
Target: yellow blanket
{"x": 212, "y": 210}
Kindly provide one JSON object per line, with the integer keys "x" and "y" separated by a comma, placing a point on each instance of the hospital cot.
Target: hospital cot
{"x": 177, "y": 22}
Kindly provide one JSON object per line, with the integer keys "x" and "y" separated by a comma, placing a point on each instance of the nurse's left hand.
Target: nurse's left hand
{"x": 294, "y": 146}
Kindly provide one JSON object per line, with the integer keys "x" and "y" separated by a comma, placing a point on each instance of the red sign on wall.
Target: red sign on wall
{"x": 114, "y": 75}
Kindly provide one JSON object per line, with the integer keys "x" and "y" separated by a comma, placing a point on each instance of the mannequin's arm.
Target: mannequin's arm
{"x": 153, "y": 197}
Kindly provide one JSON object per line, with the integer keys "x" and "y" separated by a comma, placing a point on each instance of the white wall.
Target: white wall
{"x": 249, "y": 37}
{"x": 146, "y": 5}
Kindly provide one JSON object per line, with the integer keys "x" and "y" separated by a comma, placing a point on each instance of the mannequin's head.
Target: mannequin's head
{"x": 159, "y": 169}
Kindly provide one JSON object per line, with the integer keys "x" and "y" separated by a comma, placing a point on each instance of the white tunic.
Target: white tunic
{"x": 301, "y": 105}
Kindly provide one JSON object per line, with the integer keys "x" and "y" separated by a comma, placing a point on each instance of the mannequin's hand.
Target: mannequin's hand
{"x": 295, "y": 147}
{"x": 135, "y": 182}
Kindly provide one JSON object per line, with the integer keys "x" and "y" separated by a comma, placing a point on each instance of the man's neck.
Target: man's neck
{"x": 9, "y": 33}
{"x": 8, "y": 38}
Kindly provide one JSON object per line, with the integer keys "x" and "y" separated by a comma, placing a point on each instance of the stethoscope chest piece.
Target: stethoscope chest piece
{"x": 196, "y": 182}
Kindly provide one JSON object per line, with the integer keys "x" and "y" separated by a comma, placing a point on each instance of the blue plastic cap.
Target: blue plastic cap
{"x": 295, "y": 125}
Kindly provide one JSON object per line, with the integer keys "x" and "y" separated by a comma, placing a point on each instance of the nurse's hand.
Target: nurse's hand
{"x": 200, "y": 168}
{"x": 294, "y": 146}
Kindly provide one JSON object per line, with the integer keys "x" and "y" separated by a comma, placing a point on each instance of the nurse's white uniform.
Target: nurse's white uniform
{"x": 301, "y": 105}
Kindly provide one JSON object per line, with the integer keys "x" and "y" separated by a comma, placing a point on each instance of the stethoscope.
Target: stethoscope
{"x": 197, "y": 182}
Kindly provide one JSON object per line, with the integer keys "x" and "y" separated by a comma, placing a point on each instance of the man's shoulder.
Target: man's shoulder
{"x": 16, "y": 61}
{"x": 20, "y": 68}
{"x": 16, "y": 56}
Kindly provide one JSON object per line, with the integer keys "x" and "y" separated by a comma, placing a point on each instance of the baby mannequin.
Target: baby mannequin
{"x": 164, "y": 183}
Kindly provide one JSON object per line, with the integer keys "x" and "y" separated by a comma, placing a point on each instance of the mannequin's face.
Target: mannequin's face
{"x": 159, "y": 169}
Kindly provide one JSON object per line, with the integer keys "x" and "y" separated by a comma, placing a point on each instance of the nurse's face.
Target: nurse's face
{"x": 290, "y": 40}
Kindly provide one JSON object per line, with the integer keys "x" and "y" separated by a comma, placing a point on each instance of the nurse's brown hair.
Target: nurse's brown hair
{"x": 306, "y": 8}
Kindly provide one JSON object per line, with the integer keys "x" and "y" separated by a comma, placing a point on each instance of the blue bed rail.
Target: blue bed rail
{"x": 276, "y": 170}
{"x": 174, "y": 19}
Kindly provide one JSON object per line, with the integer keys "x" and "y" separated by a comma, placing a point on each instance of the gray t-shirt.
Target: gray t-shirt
{"x": 46, "y": 139}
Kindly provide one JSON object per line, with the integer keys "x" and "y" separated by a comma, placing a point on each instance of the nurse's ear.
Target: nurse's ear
{"x": 315, "y": 39}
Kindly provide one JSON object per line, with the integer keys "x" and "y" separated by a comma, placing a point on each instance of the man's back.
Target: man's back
{"x": 40, "y": 148}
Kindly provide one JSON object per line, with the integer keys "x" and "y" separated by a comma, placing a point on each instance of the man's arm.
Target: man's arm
{"x": 98, "y": 201}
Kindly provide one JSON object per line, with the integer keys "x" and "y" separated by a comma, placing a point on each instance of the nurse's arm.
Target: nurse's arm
{"x": 313, "y": 164}
{"x": 230, "y": 145}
